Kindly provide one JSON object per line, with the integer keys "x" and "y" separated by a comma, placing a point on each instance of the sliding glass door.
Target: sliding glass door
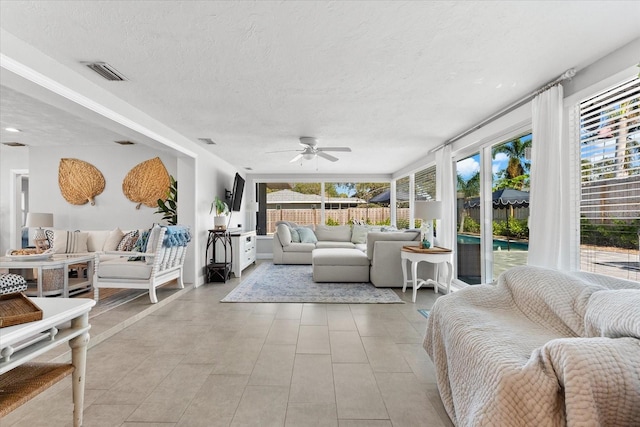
{"x": 469, "y": 263}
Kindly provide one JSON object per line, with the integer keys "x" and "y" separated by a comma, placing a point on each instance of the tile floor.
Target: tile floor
{"x": 193, "y": 361}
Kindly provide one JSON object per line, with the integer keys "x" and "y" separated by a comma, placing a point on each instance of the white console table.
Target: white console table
{"x": 22, "y": 343}
{"x": 244, "y": 250}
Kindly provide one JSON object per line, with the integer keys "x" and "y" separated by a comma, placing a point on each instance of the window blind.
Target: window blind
{"x": 425, "y": 184}
{"x": 610, "y": 167}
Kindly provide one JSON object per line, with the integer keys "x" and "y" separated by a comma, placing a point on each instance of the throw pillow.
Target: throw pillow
{"x": 127, "y": 242}
{"x": 50, "y": 235}
{"x": 69, "y": 242}
{"x": 140, "y": 246}
{"x": 295, "y": 236}
{"x": 307, "y": 235}
{"x": 359, "y": 234}
{"x": 115, "y": 237}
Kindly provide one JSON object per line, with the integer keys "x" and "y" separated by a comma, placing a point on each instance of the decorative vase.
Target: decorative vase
{"x": 426, "y": 244}
{"x": 220, "y": 222}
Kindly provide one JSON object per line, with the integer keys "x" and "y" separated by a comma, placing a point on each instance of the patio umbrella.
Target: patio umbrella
{"x": 401, "y": 196}
{"x": 504, "y": 199}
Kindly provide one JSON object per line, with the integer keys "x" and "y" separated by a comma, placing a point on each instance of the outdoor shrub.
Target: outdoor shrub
{"x": 517, "y": 228}
{"x": 402, "y": 223}
{"x": 331, "y": 221}
{"x": 471, "y": 226}
{"x": 615, "y": 233}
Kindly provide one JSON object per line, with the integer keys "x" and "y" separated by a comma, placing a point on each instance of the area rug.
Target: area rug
{"x": 293, "y": 283}
{"x": 424, "y": 312}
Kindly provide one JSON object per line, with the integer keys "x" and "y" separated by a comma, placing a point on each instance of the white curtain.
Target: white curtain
{"x": 445, "y": 192}
{"x": 550, "y": 199}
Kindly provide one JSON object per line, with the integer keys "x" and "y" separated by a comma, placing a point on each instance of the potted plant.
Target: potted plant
{"x": 222, "y": 209}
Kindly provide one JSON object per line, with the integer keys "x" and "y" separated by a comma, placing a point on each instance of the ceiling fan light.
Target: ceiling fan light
{"x": 308, "y": 156}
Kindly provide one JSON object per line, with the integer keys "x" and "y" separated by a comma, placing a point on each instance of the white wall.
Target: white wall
{"x": 11, "y": 158}
{"x": 112, "y": 208}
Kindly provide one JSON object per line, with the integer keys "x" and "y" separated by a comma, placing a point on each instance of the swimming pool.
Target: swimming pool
{"x": 497, "y": 243}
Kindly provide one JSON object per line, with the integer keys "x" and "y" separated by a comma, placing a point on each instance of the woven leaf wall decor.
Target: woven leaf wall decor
{"x": 146, "y": 183}
{"x": 79, "y": 181}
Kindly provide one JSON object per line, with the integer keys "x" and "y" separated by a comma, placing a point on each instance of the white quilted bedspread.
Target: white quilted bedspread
{"x": 539, "y": 348}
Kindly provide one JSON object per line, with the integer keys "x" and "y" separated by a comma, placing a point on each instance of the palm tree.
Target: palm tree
{"x": 515, "y": 150}
{"x": 468, "y": 188}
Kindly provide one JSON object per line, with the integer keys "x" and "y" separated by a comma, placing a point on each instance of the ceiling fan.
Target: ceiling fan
{"x": 310, "y": 150}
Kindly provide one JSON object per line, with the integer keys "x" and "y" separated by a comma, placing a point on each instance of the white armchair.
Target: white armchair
{"x": 161, "y": 263}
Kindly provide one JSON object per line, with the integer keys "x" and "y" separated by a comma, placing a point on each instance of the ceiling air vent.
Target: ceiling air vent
{"x": 14, "y": 144}
{"x": 106, "y": 71}
{"x": 124, "y": 142}
{"x": 207, "y": 141}
{"x": 248, "y": 168}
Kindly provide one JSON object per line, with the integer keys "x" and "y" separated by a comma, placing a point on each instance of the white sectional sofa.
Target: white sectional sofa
{"x": 382, "y": 249}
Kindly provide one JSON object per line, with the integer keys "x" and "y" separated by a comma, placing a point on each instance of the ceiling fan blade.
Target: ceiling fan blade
{"x": 327, "y": 156}
{"x": 344, "y": 149}
{"x": 283, "y": 151}
{"x": 296, "y": 158}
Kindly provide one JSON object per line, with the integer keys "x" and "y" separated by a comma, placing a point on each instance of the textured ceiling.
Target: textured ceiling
{"x": 389, "y": 79}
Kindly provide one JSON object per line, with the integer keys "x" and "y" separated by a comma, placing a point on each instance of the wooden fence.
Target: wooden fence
{"x": 332, "y": 216}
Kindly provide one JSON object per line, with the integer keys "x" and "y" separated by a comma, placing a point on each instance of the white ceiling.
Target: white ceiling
{"x": 389, "y": 79}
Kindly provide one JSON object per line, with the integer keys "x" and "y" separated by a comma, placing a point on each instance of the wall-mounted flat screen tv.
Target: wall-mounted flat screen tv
{"x": 236, "y": 193}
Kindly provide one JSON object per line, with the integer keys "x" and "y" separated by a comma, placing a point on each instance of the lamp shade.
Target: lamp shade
{"x": 428, "y": 210}
{"x": 35, "y": 219}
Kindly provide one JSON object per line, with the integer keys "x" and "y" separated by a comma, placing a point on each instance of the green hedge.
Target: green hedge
{"x": 614, "y": 233}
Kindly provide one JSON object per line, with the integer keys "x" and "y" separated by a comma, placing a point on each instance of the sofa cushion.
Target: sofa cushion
{"x": 307, "y": 235}
{"x": 69, "y": 242}
{"x": 96, "y": 240}
{"x": 284, "y": 234}
{"x": 359, "y": 233}
{"x": 336, "y": 233}
{"x": 114, "y": 238}
{"x": 373, "y": 237}
{"x": 299, "y": 247}
{"x": 344, "y": 245}
{"x": 337, "y": 256}
{"x": 121, "y": 268}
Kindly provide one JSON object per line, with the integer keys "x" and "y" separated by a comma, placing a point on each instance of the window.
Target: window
{"x": 295, "y": 202}
{"x": 610, "y": 181}
{"x": 425, "y": 188}
{"x": 358, "y": 202}
{"x": 510, "y": 203}
{"x": 468, "y": 220}
{"x": 402, "y": 203}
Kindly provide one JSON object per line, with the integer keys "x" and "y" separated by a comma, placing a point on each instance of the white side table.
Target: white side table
{"x": 435, "y": 256}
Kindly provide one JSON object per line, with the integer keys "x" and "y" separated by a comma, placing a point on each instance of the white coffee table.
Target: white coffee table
{"x": 435, "y": 256}
{"x": 22, "y": 343}
{"x": 57, "y": 264}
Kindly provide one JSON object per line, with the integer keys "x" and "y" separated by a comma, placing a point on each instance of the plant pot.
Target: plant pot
{"x": 220, "y": 222}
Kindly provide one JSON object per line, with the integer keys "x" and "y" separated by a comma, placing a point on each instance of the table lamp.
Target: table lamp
{"x": 427, "y": 212}
{"x": 36, "y": 219}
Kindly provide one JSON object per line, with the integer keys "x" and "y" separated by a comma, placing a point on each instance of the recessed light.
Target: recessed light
{"x": 12, "y": 130}
{"x": 14, "y": 144}
{"x": 208, "y": 141}
{"x": 124, "y": 142}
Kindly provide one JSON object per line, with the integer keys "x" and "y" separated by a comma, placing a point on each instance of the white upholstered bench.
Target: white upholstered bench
{"x": 340, "y": 265}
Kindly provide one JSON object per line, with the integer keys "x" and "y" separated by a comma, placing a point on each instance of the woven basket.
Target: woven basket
{"x": 79, "y": 181}
{"x": 146, "y": 183}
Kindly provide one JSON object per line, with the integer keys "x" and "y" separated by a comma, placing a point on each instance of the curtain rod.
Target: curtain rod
{"x": 566, "y": 75}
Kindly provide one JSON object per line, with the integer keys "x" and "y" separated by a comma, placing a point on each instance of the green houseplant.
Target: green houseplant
{"x": 222, "y": 209}
{"x": 169, "y": 207}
